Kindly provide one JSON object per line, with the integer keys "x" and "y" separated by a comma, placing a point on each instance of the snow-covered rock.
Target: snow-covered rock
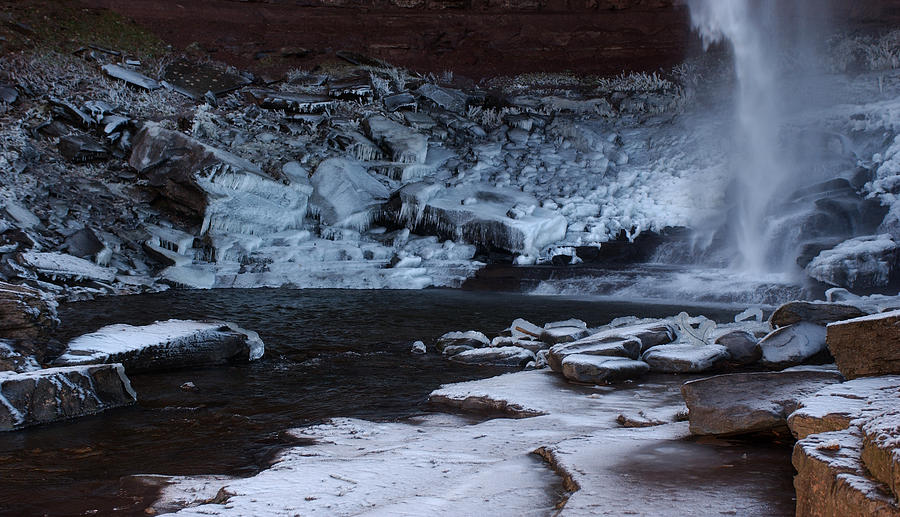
{"x": 629, "y": 348}
{"x": 64, "y": 267}
{"x": 858, "y": 263}
{"x": 742, "y": 403}
{"x": 563, "y": 334}
{"x": 835, "y": 407}
{"x": 461, "y": 341}
{"x": 684, "y": 357}
{"x": 498, "y": 356}
{"x": 820, "y": 313}
{"x": 53, "y": 394}
{"x": 599, "y": 369}
{"x": 164, "y": 345}
{"x": 345, "y": 194}
{"x": 867, "y": 345}
{"x": 792, "y": 345}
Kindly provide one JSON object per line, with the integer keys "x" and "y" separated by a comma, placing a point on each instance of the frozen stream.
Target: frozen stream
{"x": 330, "y": 353}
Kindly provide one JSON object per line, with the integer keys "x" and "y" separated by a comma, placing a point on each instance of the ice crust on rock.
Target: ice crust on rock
{"x": 793, "y": 344}
{"x": 684, "y": 358}
{"x": 862, "y": 262}
{"x": 164, "y": 344}
{"x": 499, "y": 356}
{"x": 345, "y": 194}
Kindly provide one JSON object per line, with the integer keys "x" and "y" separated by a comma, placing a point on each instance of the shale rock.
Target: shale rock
{"x": 26, "y": 313}
{"x": 867, "y": 345}
{"x": 164, "y": 345}
{"x": 743, "y": 403}
{"x": 60, "y": 393}
{"x": 881, "y": 447}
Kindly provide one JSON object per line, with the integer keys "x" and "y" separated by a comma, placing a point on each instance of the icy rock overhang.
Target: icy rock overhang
{"x": 489, "y": 217}
{"x": 164, "y": 345}
{"x": 61, "y": 393}
{"x": 222, "y": 192}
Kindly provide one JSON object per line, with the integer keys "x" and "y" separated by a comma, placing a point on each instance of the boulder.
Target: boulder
{"x": 859, "y": 263}
{"x": 792, "y": 345}
{"x": 345, "y": 194}
{"x": 820, "y": 313}
{"x": 867, "y": 345}
{"x": 471, "y": 339}
{"x": 742, "y": 345}
{"x": 742, "y": 403}
{"x": 526, "y": 343}
{"x": 556, "y": 335}
{"x": 684, "y": 358}
{"x": 601, "y": 369}
{"x": 522, "y": 328}
{"x": 832, "y": 480}
{"x": 61, "y": 393}
{"x": 498, "y": 356}
{"x": 401, "y": 143}
{"x": 607, "y": 346}
{"x": 834, "y": 407}
{"x": 83, "y": 244}
{"x": 164, "y": 345}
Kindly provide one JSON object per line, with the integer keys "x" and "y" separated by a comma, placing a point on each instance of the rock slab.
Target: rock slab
{"x": 743, "y": 403}
{"x": 164, "y": 345}
{"x": 53, "y": 394}
{"x": 866, "y": 346}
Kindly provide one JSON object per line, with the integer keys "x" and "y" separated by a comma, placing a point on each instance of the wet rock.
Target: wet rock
{"x": 743, "y": 346}
{"x": 164, "y": 345}
{"x": 867, "y": 345}
{"x": 471, "y": 339}
{"x": 131, "y": 77}
{"x": 820, "y": 313}
{"x": 61, "y": 266}
{"x": 81, "y": 149}
{"x": 345, "y": 194}
{"x": 792, "y": 345}
{"x": 402, "y": 144}
{"x": 26, "y": 313}
{"x": 858, "y": 263}
{"x": 53, "y": 394}
{"x": 832, "y": 480}
{"x": 684, "y": 358}
{"x": 834, "y": 407}
{"x": 497, "y": 356}
{"x": 743, "y": 403}
{"x": 418, "y": 348}
{"x": 598, "y": 369}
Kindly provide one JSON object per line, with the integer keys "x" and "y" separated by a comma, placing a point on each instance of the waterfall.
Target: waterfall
{"x": 758, "y": 166}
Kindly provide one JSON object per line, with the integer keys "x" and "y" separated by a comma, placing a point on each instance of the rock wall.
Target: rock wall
{"x": 471, "y": 37}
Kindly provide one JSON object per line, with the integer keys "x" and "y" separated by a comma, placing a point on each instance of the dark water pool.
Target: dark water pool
{"x": 328, "y": 353}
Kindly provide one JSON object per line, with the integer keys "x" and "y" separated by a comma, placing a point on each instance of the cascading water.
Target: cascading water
{"x": 758, "y": 165}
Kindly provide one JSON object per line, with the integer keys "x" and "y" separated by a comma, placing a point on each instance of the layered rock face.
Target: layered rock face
{"x": 61, "y": 393}
{"x": 472, "y": 37}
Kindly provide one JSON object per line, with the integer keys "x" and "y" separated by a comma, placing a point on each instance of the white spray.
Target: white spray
{"x": 758, "y": 166}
